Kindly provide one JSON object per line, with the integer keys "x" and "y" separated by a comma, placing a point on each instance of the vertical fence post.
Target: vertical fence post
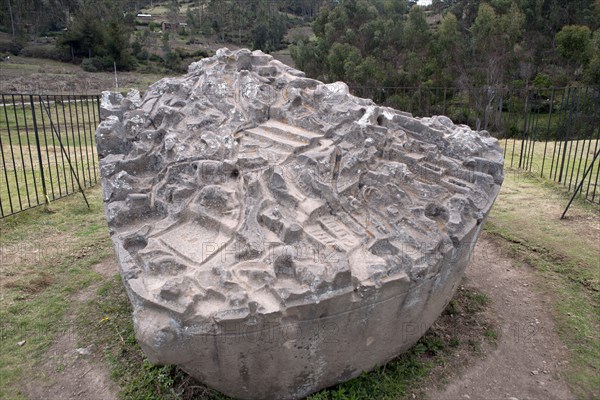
{"x": 524, "y": 136}
{"x": 39, "y": 151}
{"x": 548, "y": 135}
{"x": 567, "y": 137}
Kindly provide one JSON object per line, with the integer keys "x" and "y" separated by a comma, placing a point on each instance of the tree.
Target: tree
{"x": 12, "y": 18}
{"x": 592, "y": 73}
{"x": 416, "y": 31}
{"x": 268, "y": 33}
{"x": 392, "y": 8}
{"x": 449, "y": 36}
{"x": 494, "y": 41}
{"x": 573, "y": 44}
{"x": 85, "y": 37}
{"x": 342, "y": 61}
{"x": 173, "y": 12}
{"x": 309, "y": 55}
{"x": 117, "y": 44}
{"x": 449, "y": 49}
{"x": 368, "y": 73}
{"x": 484, "y": 27}
{"x": 100, "y": 32}
{"x": 478, "y": 42}
{"x": 512, "y": 24}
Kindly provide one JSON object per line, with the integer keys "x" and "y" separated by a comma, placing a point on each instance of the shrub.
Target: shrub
{"x": 150, "y": 69}
{"x": 96, "y": 64}
{"x": 542, "y": 80}
{"x": 155, "y": 58}
{"x": 173, "y": 61}
{"x": 592, "y": 74}
{"x": 193, "y": 40}
{"x": 399, "y": 102}
{"x": 88, "y": 65}
{"x": 201, "y": 53}
{"x": 13, "y": 47}
{"x": 46, "y": 51}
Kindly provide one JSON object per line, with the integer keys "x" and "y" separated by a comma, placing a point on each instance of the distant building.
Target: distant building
{"x": 172, "y": 26}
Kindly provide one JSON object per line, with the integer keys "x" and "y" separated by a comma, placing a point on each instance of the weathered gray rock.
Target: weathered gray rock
{"x": 277, "y": 235}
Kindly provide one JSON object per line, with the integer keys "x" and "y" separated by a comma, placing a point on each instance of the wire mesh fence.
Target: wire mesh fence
{"x": 553, "y": 132}
{"x": 47, "y": 147}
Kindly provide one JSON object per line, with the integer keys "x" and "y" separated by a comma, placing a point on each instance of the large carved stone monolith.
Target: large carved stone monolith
{"x": 278, "y": 235}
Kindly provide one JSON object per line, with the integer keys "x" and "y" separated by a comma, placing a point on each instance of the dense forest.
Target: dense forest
{"x": 470, "y": 43}
{"x": 460, "y": 43}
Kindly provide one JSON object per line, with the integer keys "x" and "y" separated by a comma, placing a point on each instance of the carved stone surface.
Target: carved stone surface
{"x": 277, "y": 235}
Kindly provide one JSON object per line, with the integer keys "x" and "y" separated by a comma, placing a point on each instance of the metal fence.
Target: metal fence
{"x": 553, "y": 132}
{"x": 47, "y": 148}
{"x": 48, "y": 144}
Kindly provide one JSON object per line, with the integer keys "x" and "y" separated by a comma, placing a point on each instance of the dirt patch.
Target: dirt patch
{"x": 529, "y": 361}
{"x": 106, "y": 268}
{"x": 69, "y": 372}
{"x": 70, "y": 369}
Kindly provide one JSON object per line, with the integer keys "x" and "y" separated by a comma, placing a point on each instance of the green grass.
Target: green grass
{"x": 46, "y": 257}
{"x": 21, "y": 181}
{"x": 545, "y": 159}
{"x": 21, "y": 184}
{"x": 30, "y": 67}
{"x": 161, "y": 10}
{"x": 110, "y": 315}
{"x": 566, "y": 254}
{"x": 75, "y": 119}
{"x": 35, "y": 64}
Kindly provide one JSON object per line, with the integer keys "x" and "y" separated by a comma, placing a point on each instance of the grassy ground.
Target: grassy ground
{"x": 77, "y": 114}
{"x": 545, "y": 159}
{"x": 566, "y": 253}
{"x": 70, "y": 123}
{"x": 21, "y": 181}
{"x": 526, "y": 220}
{"x": 46, "y": 258}
{"x": 162, "y": 10}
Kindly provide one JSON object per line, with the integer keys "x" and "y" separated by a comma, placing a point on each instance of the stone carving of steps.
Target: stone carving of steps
{"x": 332, "y": 232}
{"x": 281, "y": 136}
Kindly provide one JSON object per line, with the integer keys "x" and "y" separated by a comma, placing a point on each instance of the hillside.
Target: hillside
{"x": 455, "y": 43}
{"x": 147, "y": 36}
{"x": 374, "y": 43}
